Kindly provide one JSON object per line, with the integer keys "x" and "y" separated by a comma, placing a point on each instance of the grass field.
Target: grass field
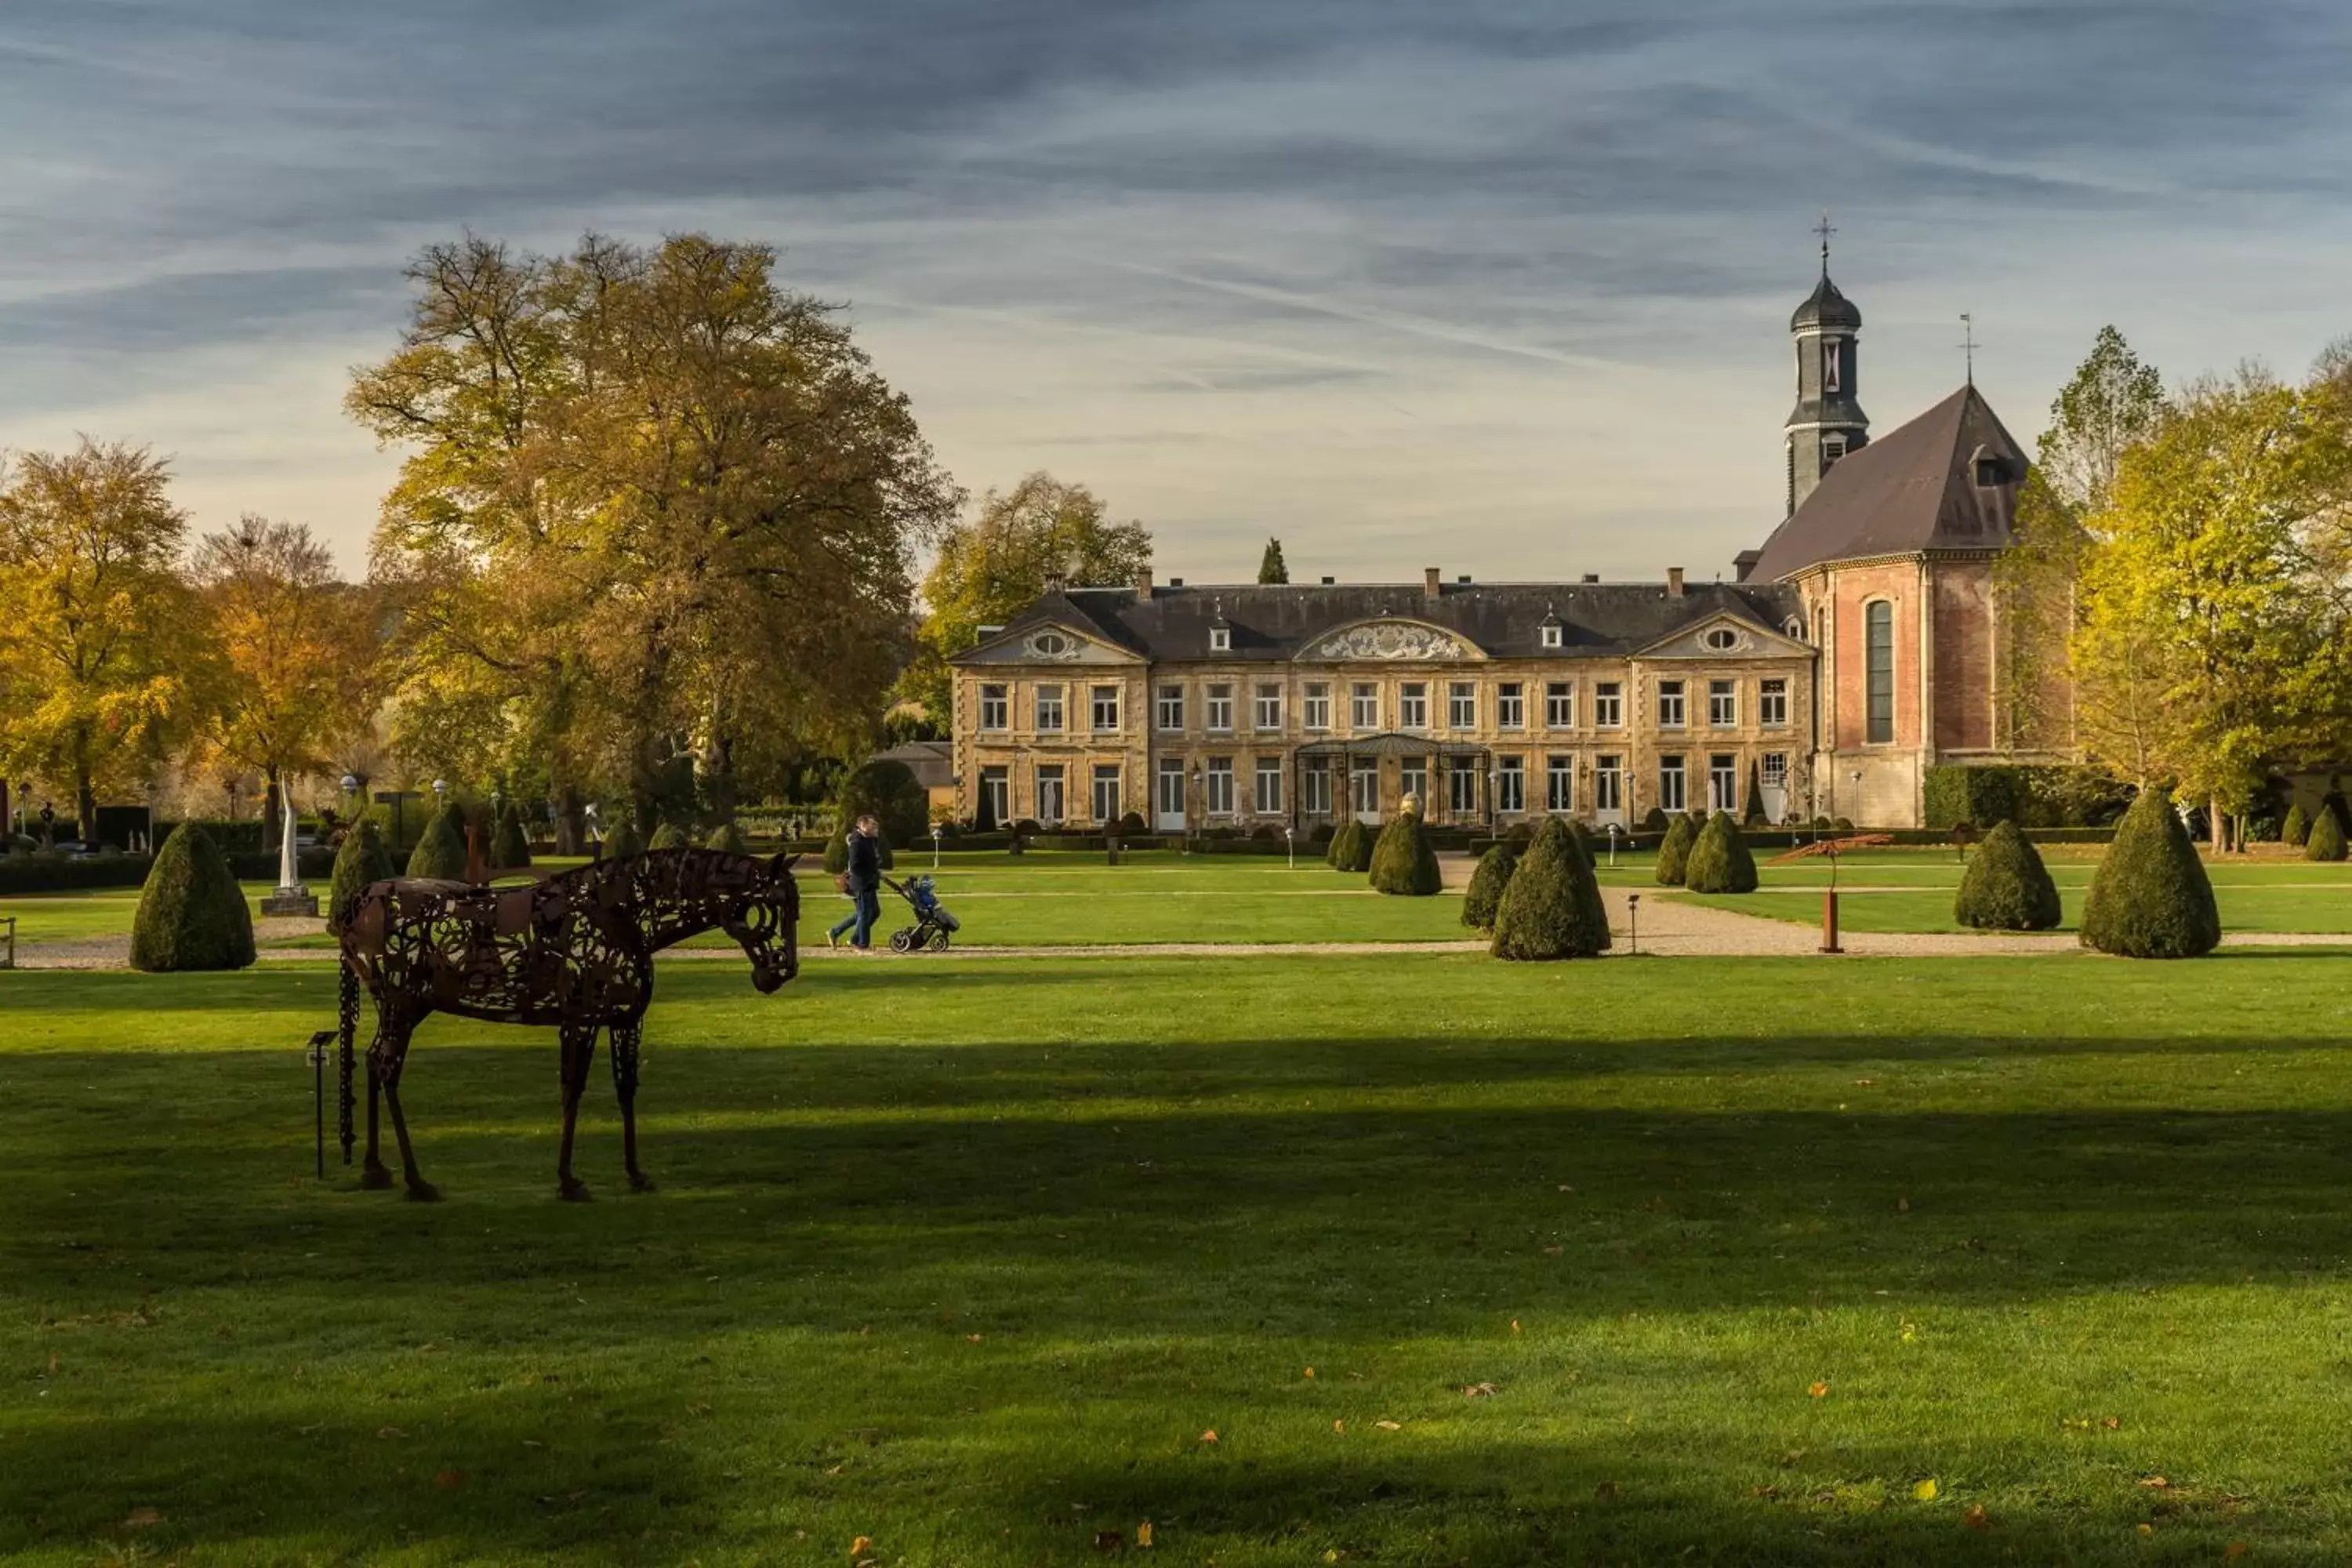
{"x": 1734, "y": 1258}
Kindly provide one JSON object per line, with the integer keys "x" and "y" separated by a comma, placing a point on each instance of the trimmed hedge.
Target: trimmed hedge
{"x": 1551, "y": 908}
{"x": 1402, "y": 862}
{"x": 41, "y": 871}
{"x": 1673, "y": 852}
{"x": 1485, "y": 896}
{"x": 729, "y": 838}
{"x": 510, "y": 844}
{"x": 1351, "y": 849}
{"x": 2296, "y": 829}
{"x": 2032, "y": 796}
{"x": 364, "y": 857}
{"x": 622, "y": 842}
{"x": 2327, "y": 840}
{"x": 2150, "y": 897}
{"x": 1656, "y": 820}
{"x": 440, "y": 854}
{"x": 1720, "y": 861}
{"x": 670, "y": 836}
{"x": 2006, "y": 885}
{"x": 193, "y": 914}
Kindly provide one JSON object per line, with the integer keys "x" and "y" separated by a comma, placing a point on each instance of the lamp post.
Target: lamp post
{"x": 1829, "y": 904}
{"x": 1613, "y": 831}
{"x": 1290, "y": 846}
{"x": 1633, "y": 920}
{"x": 589, "y": 815}
{"x": 1196, "y": 795}
{"x": 935, "y": 831}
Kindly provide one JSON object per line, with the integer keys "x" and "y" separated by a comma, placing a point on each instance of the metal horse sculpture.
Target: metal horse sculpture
{"x": 575, "y": 951}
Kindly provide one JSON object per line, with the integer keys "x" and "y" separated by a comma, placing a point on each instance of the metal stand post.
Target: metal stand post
{"x": 318, "y": 1053}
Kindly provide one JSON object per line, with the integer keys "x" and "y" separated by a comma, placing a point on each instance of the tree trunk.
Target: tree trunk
{"x": 272, "y": 812}
{"x": 85, "y": 808}
{"x": 2218, "y": 823}
{"x": 571, "y": 823}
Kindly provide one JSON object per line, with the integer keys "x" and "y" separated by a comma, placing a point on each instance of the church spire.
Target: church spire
{"x": 1828, "y": 421}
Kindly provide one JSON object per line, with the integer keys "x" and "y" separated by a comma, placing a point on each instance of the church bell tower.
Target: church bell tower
{"x": 1828, "y": 421}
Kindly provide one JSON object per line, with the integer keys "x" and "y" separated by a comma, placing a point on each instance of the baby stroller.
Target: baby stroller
{"x": 932, "y": 923}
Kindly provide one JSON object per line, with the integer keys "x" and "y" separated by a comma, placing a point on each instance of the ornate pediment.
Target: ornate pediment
{"x": 1724, "y": 636}
{"x": 1046, "y": 644}
{"x": 1400, "y": 641}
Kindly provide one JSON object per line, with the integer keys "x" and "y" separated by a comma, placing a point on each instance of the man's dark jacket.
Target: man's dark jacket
{"x": 864, "y": 862}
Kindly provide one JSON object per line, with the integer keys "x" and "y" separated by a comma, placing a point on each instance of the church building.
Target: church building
{"x": 1854, "y": 652}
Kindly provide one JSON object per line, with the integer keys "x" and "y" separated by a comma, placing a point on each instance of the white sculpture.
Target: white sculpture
{"x": 1391, "y": 639}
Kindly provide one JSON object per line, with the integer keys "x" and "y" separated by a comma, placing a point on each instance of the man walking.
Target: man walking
{"x": 864, "y": 880}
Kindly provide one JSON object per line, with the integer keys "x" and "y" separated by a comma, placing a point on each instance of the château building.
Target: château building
{"x": 1855, "y": 651}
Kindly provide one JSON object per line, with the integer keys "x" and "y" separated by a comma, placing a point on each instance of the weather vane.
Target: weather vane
{"x": 1969, "y": 344}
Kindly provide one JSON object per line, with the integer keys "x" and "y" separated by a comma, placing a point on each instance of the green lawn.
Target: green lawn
{"x": 968, "y": 1258}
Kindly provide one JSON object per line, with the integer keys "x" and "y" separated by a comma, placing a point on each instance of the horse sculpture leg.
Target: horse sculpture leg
{"x": 579, "y": 1049}
{"x": 392, "y": 1042}
{"x": 372, "y": 1172}
{"x": 626, "y": 1037}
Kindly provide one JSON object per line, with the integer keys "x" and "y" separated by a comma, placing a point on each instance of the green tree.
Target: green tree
{"x": 1484, "y": 895}
{"x": 2006, "y": 887}
{"x": 1551, "y": 908}
{"x": 2150, "y": 897}
{"x": 1403, "y": 861}
{"x": 891, "y": 792}
{"x": 2326, "y": 838}
{"x": 1674, "y": 851}
{"x": 1719, "y": 861}
{"x": 362, "y": 857}
{"x": 509, "y": 840}
{"x": 440, "y": 852}
{"x": 103, "y": 662}
{"x": 1271, "y": 567}
{"x": 991, "y": 568}
{"x": 191, "y": 913}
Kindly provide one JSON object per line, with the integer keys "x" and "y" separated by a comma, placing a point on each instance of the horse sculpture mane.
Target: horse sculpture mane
{"x": 574, "y": 951}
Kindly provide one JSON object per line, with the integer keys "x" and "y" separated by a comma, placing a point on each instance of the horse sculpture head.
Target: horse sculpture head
{"x": 765, "y": 920}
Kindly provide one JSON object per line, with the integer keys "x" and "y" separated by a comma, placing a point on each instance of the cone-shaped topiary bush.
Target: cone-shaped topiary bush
{"x": 669, "y": 835}
{"x": 623, "y": 841}
{"x": 1753, "y": 816}
{"x": 1720, "y": 861}
{"x": 1654, "y": 820}
{"x": 2006, "y": 887}
{"x": 440, "y": 854}
{"x": 836, "y": 851}
{"x": 1551, "y": 907}
{"x": 509, "y": 843}
{"x": 2327, "y": 840}
{"x": 1486, "y": 884}
{"x": 728, "y": 837}
{"x": 1403, "y": 861}
{"x": 362, "y": 857}
{"x": 2150, "y": 897}
{"x": 1674, "y": 851}
{"x": 2296, "y": 829}
{"x": 192, "y": 914}
{"x": 1351, "y": 849}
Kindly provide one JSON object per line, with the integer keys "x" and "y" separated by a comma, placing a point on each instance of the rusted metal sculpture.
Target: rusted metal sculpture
{"x": 575, "y": 951}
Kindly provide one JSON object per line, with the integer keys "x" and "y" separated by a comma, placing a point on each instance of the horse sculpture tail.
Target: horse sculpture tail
{"x": 347, "y": 1028}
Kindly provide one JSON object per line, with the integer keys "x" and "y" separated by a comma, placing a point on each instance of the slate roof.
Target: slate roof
{"x": 1913, "y": 489}
{"x": 1825, "y": 307}
{"x": 931, "y": 762}
{"x": 1274, "y": 623}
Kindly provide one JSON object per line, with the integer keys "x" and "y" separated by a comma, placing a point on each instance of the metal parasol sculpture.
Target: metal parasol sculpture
{"x": 575, "y": 951}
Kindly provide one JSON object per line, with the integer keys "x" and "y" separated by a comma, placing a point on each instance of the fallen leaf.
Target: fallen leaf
{"x": 1514, "y": 1325}
{"x": 1554, "y": 1251}
{"x": 144, "y": 1518}
{"x": 1210, "y": 1436}
{"x": 1143, "y": 1535}
{"x": 1479, "y": 1391}
{"x": 447, "y": 1480}
{"x": 1311, "y": 1371}
{"x": 1332, "y": 1555}
{"x": 838, "y": 1468}
{"x": 861, "y": 1546}
{"x": 2154, "y": 1483}
{"x": 971, "y": 1338}
{"x": 2113, "y": 1422}
{"x": 2148, "y": 1530}
{"x": 1975, "y": 1518}
{"x": 1903, "y": 1205}
{"x": 1764, "y": 1491}
{"x": 1338, "y": 1425}
{"x": 1818, "y": 1390}
{"x": 1923, "y": 1490}
{"x": 1109, "y": 1540}
{"x": 1864, "y": 1082}
{"x": 1387, "y": 1426}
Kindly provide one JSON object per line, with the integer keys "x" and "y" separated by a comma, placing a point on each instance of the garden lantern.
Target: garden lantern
{"x": 1290, "y": 846}
{"x": 1633, "y": 919}
{"x": 936, "y": 832}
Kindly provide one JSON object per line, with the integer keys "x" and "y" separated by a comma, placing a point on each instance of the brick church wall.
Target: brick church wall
{"x": 1963, "y": 673}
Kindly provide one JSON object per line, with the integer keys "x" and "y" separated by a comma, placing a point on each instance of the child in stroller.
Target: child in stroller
{"x": 932, "y": 921}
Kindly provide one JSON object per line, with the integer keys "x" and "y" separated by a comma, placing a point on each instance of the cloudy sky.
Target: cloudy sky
{"x": 1500, "y": 287}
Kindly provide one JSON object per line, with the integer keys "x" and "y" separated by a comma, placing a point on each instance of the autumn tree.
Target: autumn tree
{"x": 295, "y": 649}
{"x": 101, "y": 661}
{"x": 992, "y": 566}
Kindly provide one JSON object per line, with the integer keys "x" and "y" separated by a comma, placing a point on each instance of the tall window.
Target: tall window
{"x": 1559, "y": 783}
{"x": 1318, "y": 705}
{"x": 1106, "y": 707}
{"x": 1773, "y": 703}
{"x": 1671, "y": 796}
{"x": 1832, "y": 365}
{"x": 1270, "y": 786}
{"x": 1049, "y": 707}
{"x": 1609, "y": 705}
{"x": 1364, "y": 706}
{"x": 1608, "y": 784}
{"x": 1221, "y": 786}
{"x": 1315, "y": 786}
{"x": 1412, "y": 705}
{"x": 995, "y": 798}
{"x": 1171, "y": 715}
{"x": 1722, "y": 783}
{"x": 1364, "y": 789}
{"x": 1412, "y": 779}
{"x": 1049, "y": 793}
{"x": 1669, "y": 704}
{"x": 1722, "y": 704}
{"x": 1511, "y": 784}
{"x": 995, "y": 710}
{"x": 1269, "y": 707}
{"x": 1221, "y": 707}
{"x": 1775, "y": 771}
{"x": 1560, "y": 705}
{"x": 1462, "y": 705}
{"x": 1510, "y": 706}
{"x": 1462, "y": 790}
{"x": 1172, "y": 786}
{"x": 1879, "y": 663}
{"x": 1106, "y": 792}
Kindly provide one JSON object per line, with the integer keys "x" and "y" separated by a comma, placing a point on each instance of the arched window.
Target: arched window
{"x": 1878, "y": 667}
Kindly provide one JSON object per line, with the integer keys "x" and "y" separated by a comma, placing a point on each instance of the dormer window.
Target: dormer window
{"x": 1833, "y": 449}
{"x": 1991, "y": 471}
{"x": 1221, "y": 639}
{"x": 1551, "y": 634}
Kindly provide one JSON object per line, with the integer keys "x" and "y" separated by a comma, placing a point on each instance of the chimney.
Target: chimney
{"x": 1328, "y": 581}
{"x": 1673, "y": 582}
{"x": 1143, "y": 584}
{"x": 1175, "y": 581}
{"x": 1464, "y": 579}
{"x": 1592, "y": 577}
{"x": 1055, "y": 584}
{"x": 1431, "y": 583}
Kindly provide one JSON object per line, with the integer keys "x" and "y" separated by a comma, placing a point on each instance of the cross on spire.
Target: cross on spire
{"x": 1969, "y": 344}
{"x": 1824, "y": 230}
